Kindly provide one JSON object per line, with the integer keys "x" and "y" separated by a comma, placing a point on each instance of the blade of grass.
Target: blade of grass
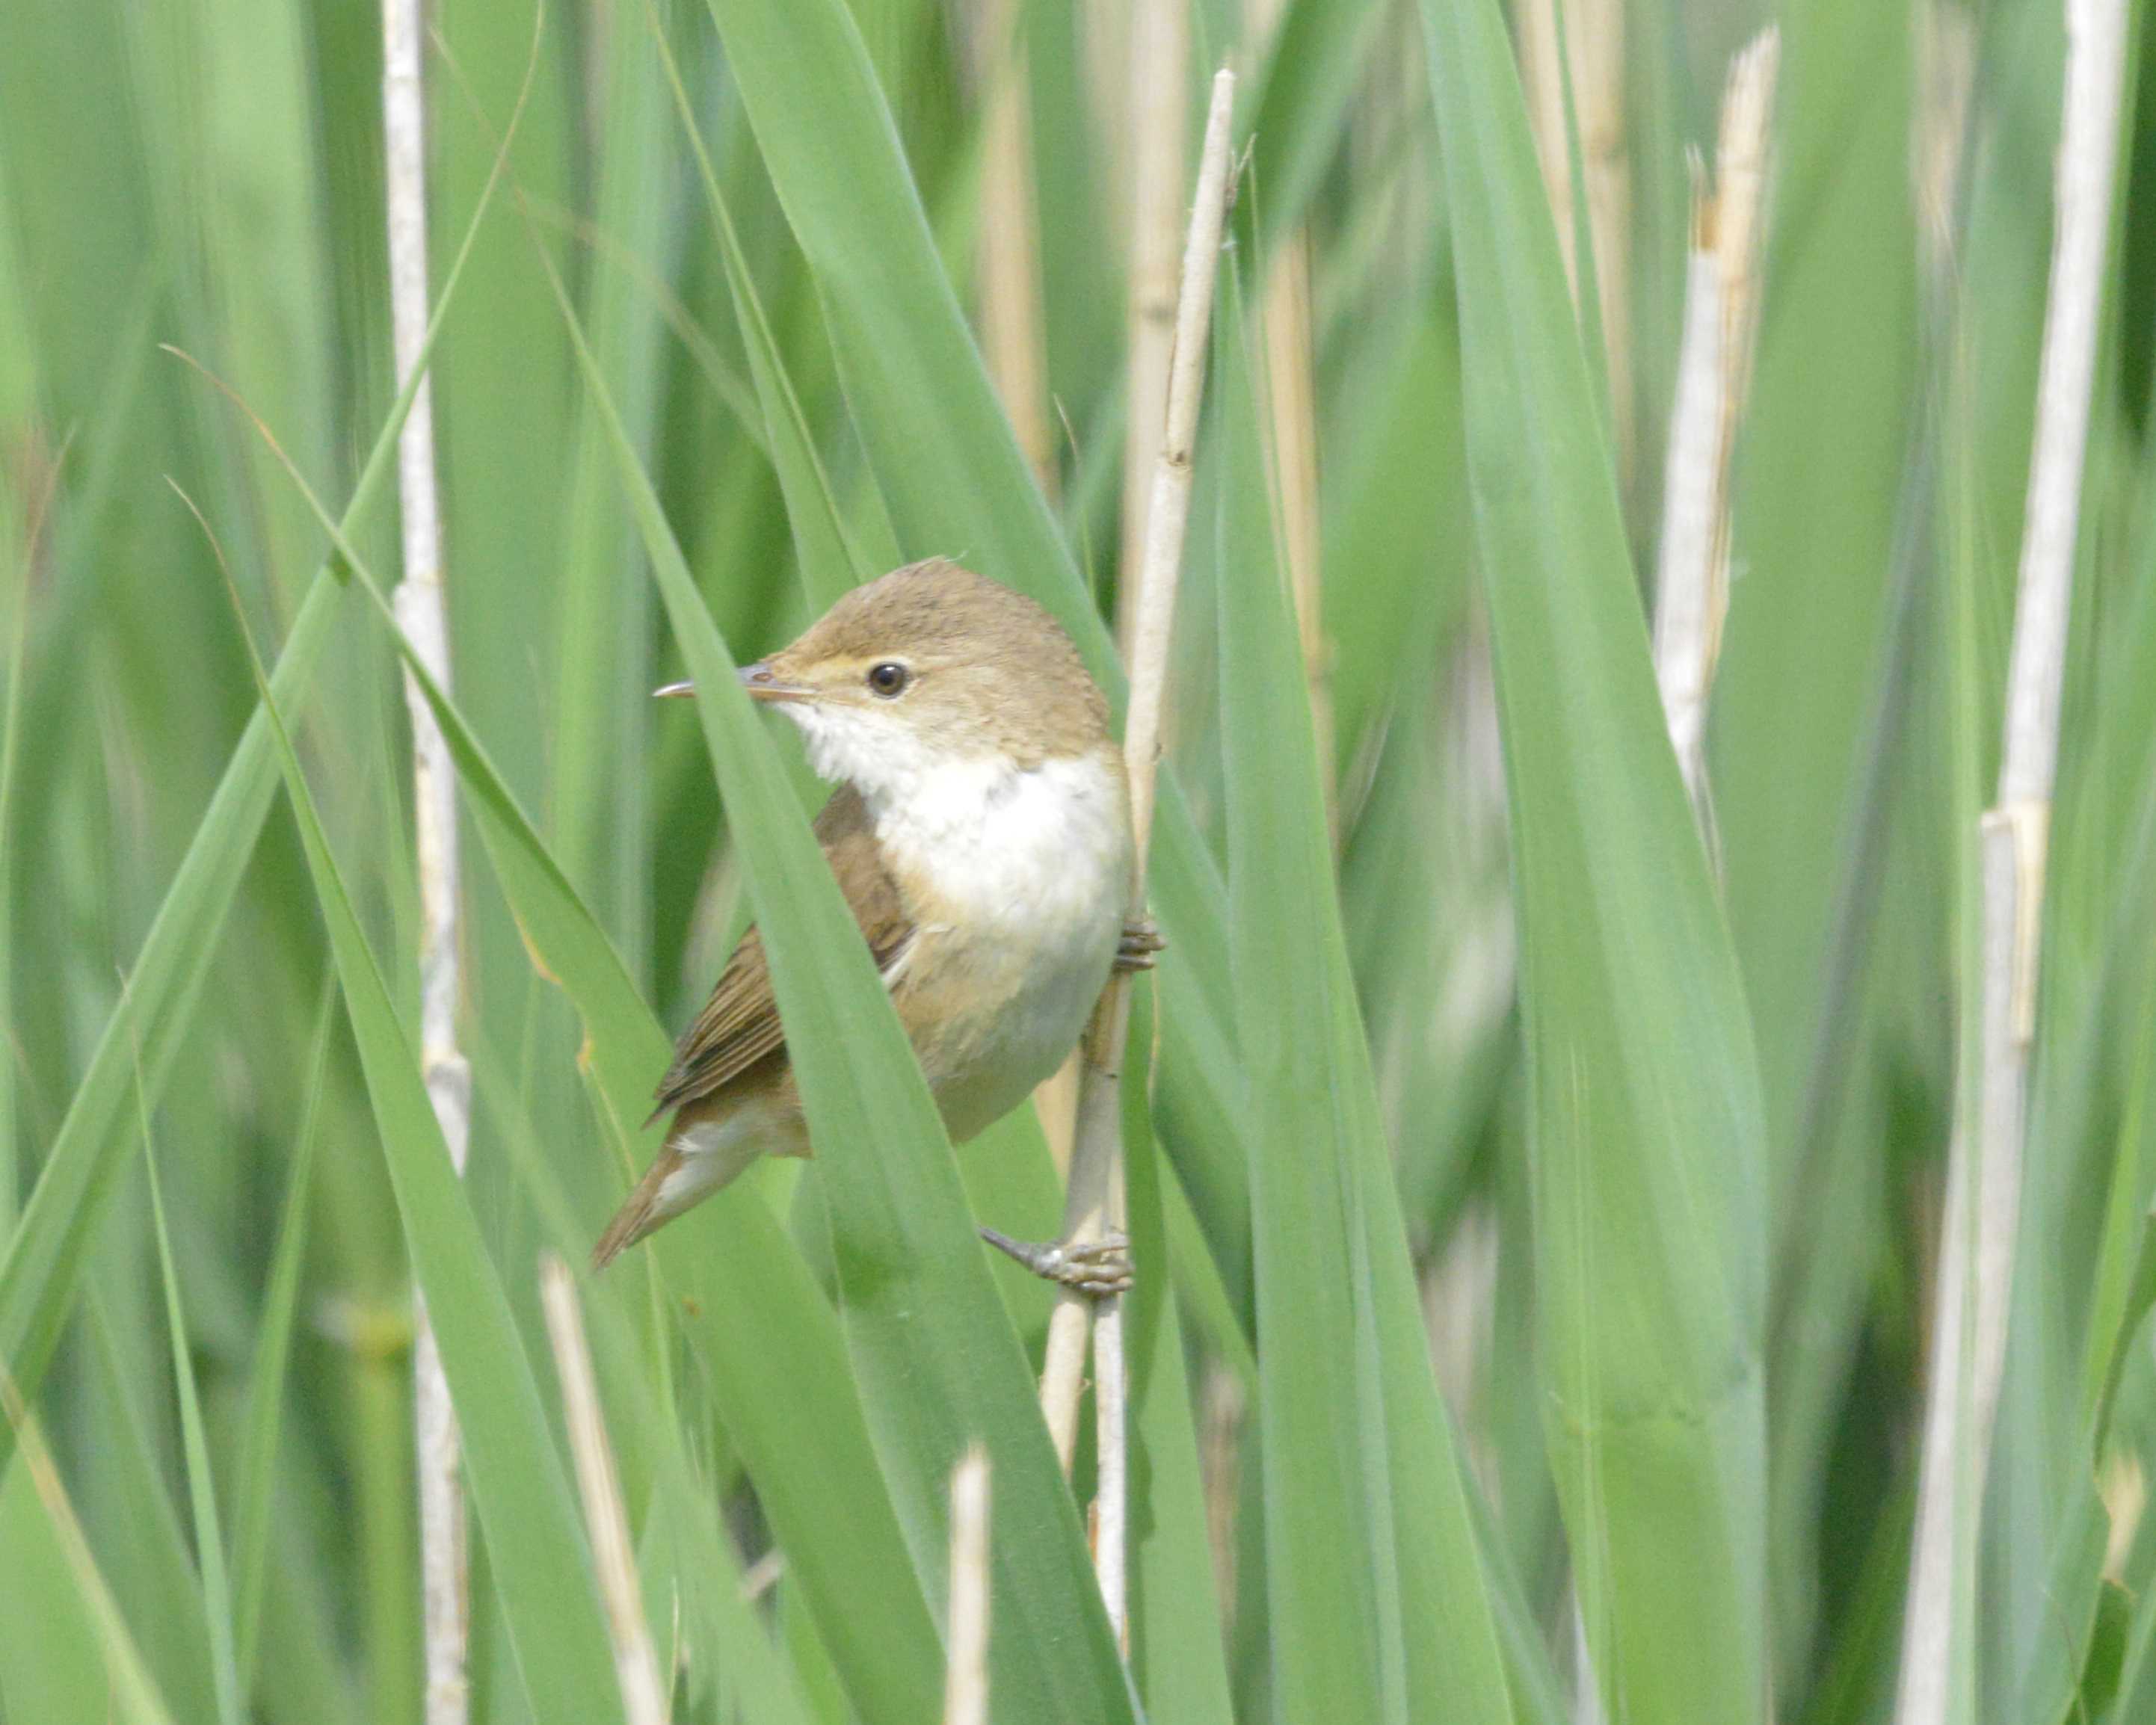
{"x": 127, "y": 1503}
{"x": 830, "y": 563}
{"x": 940, "y": 1364}
{"x": 263, "y": 1419}
{"x": 1979, "y": 1236}
{"x": 1645, "y": 1121}
{"x": 1176, "y": 1653}
{"x": 1377, "y": 1607}
{"x": 1093, "y": 1203}
{"x": 202, "y": 1484}
{"x": 758, "y": 1320}
{"x": 133, "y": 1689}
{"x": 11, "y": 715}
{"x": 956, "y": 483}
{"x": 2125, "y": 1288}
{"x": 597, "y": 714}
{"x": 541, "y": 1568}
{"x": 51, "y": 1661}
{"x": 45, "y": 1255}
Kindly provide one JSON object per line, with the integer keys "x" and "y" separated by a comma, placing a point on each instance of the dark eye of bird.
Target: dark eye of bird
{"x": 889, "y": 680}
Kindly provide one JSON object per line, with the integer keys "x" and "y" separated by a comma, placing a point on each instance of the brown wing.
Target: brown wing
{"x": 739, "y": 1026}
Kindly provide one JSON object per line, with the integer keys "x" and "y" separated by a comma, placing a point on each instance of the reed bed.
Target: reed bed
{"x": 1639, "y": 1150}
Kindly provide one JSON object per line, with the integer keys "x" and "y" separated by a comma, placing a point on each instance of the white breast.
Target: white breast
{"x": 1032, "y": 850}
{"x": 1034, "y": 868}
{"x": 1023, "y": 873}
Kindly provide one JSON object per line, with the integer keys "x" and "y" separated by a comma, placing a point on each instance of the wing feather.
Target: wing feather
{"x": 738, "y": 1028}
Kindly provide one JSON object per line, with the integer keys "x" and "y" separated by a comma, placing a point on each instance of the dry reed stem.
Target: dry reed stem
{"x": 1292, "y": 409}
{"x": 1160, "y": 61}
{"x": 614, "y": 1553}
{"x": 1292, "y": 413}
{"x": 1684, "y": 579}
{"x": 1741, "y": 176}
{"x": 420, "y": 614}
{"x": 1984, "y": 1174}
{"x": 1006, "y": 258}
{"x": 1111, "y": 1463}
{"x": 1093, "y": 1205}
{"x": 1714, "y": 364}
{"x": 1007, "y": 278}
{"x": 965, "y": 1640}
{"x": 1221, "y": 1404}
{"x": 1594, "y": 37}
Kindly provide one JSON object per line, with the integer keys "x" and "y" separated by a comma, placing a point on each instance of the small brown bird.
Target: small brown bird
{"x": 981, "y": 834}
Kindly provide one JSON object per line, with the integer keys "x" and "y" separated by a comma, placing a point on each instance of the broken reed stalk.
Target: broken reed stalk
{"x": 443, "y": 1584}
{"x": 1714, "y": 362}
{"x": 1983, "y": 1187}
{"x": 1093, "y": 1206}
{"x": 966, "y": 1659}
{"x": 606, "y": 1520}
{"x": 1592, "y": 35}
{"x": 1160, "y": 61}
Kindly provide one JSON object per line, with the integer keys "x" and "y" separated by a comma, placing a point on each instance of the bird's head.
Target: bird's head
{"x": 932, "y": 665}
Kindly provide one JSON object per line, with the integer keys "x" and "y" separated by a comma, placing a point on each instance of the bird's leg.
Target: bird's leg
{"x": 1099, "y": 1269}
{"x": 1140, "y": 944}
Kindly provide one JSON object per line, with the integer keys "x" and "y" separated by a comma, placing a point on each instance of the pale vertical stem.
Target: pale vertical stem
{"x": 1006, "y": 259}
{"x": 1007, "y": 277}
{"x": 1160, "y": 62}
{"x": 1055, "y": 1105}
{"x": 1976, "y": 1256}
{"x": 419, "y": 612}
{"x": 966, "y": 1637}
{"x": 1721, "y": 315}
{"x": 1291, "y": 408}
{"x": 1093, "y": 1205}
{"x": 1684, "y": 574}
{"x": 606, "y": 1520}
{"x": 1741, "y": 164}
{"x": 1112, "y": 1455}
{"x": 1594, "y": 36}
{"x": 1292, "y": 413}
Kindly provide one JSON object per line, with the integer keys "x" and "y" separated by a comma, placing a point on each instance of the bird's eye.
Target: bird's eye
{"x": 889, "y": 680}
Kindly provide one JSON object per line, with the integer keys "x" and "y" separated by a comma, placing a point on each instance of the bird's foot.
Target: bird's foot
{"x": 1099, "y": 1269}
{"x": 1141, "y": 943}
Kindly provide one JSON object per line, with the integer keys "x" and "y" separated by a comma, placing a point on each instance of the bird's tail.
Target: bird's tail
{"x": 642, "y": 1211}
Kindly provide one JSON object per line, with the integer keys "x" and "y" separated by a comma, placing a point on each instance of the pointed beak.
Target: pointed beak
{"x": 756, "y": 680}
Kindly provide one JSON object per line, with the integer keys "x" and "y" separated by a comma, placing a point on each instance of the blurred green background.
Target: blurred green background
{"x": 1463, "y": 1038}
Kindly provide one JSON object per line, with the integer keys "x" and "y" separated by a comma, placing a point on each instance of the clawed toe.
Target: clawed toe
{"x": 1142, "y": 941}
{"x": 1100, "y": 1269}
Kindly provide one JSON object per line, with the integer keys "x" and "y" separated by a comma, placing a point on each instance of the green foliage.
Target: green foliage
{"x": 1536, "y": 1210}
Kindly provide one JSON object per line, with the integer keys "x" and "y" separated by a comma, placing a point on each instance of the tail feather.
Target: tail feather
{"x": 640, "y": 1213}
